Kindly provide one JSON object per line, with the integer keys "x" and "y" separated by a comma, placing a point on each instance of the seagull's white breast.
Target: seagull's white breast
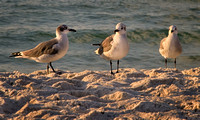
{"x": 119, "y": 49}
{"x": 171, "y": 47}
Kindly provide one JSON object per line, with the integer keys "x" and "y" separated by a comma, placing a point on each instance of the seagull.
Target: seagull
{"x": 114, "y": 47}
{"x": 170, "y": 46}
{"x": 48, "y": 51}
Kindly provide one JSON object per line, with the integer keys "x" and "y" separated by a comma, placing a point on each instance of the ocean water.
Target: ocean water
{"x": 25, "y": 23}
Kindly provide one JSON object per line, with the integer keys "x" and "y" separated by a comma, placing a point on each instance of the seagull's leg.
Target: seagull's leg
{"x": 166, "y": 62}
{"x": 111, "y": 67}
{"x": 175, "y": 62}
{"x": 53, "y": 69}
{"x": 47, "y": 68}
{"x": 117, "y": 66}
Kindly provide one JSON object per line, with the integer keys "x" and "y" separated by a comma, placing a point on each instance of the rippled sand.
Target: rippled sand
{"x": 97, "y": 95}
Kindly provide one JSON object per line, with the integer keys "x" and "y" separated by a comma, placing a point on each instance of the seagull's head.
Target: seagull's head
{"x": 120, "y": 28}
{"x": 63, "y": 29}
{"x": 173, "y": 29}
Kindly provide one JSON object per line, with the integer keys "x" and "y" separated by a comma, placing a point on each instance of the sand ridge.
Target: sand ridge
{"x": 97, "y": 95}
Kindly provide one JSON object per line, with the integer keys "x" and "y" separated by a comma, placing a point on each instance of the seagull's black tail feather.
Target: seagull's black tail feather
{"x": 15, "y": 54}
{"x": 96, "y": 44}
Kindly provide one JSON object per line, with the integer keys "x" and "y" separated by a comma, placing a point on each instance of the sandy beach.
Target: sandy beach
{"x": 166, "y": 94}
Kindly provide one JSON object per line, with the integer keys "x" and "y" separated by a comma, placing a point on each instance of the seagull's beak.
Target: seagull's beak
{"x": 72, "y": 30}
{"x": 116, "y": 30}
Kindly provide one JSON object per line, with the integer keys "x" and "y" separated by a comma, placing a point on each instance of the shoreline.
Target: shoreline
{"x": 130, "y": 94}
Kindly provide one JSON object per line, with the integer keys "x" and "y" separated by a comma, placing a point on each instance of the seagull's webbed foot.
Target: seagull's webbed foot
{"x": 58, "y": 72}
{"x": 112, "y": 73}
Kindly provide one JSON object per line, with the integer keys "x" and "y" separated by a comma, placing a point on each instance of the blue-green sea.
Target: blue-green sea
{"x": 26, "y": 23}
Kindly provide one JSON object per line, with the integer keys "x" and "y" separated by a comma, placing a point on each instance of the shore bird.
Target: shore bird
{"x": 114, "y": 47}
{"x": 49, "y": 51}
{"x": 170, "y": 46}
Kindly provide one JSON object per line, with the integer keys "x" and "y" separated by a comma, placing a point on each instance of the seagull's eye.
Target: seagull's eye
{"x": 61, "y": 28}
{"x": 122, "y": 28}
{"x": 175, "y": 28}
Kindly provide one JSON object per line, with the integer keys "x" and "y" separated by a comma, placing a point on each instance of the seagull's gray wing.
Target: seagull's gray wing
{"x": 42, "y": 48}
{"x": 106, "y": 44}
